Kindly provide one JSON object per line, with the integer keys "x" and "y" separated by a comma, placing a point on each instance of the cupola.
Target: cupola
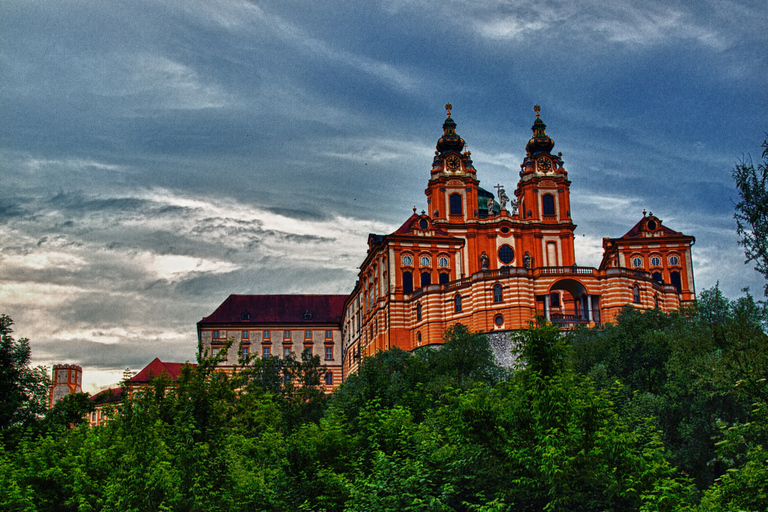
{"x": 450, "y": 141}
{"x": 540, "y": 142}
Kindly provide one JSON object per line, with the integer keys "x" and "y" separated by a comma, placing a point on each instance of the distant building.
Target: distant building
{"x": 277, "y": 326}
{"x": 469, "y": 258}
{"x": 65, "y": 380}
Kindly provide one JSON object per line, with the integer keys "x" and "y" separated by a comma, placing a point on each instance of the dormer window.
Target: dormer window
{"x": 245, "y": 315}
{"x": 423, "y": 224}
{"x": 307, "y": 315}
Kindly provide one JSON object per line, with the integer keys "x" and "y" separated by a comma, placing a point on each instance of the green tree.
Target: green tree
{"x": 752, "y": 210}
{"x": 24, "y": 390}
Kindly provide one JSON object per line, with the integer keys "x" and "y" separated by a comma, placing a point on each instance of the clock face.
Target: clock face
{"x": 453, "y": 163}
{"x": 544, "y": 164}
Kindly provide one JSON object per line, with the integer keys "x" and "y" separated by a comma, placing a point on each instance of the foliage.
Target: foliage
{"x": 24, "y": 390}
{"x": 752, "y": 210}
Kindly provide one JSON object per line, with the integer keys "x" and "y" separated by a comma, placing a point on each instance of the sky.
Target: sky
{"x": 157, "y": 156}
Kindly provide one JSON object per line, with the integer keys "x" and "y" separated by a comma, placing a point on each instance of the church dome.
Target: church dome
{"x": 450, "y": 141}
{"x": 540, "y": 142}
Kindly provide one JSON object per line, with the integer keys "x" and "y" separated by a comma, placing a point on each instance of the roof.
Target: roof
{"x": 406, "y": 229}
{"x": 278, "y": 309}
{"x": 157, "y": 368}
{"x": 638, "y": 228}
{"x": 107, "y": 396}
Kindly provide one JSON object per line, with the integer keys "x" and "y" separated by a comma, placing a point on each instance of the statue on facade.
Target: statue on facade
{"x": 484, "y": 261}
{"x": 490, "y": 206}
{"x": 503, "y": 199}
{"x": 527, "y": 260}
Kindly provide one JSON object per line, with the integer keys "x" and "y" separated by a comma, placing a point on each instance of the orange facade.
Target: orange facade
{"x": 472, "y": 258}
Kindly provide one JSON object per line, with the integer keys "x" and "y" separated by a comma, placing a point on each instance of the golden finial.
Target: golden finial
{"x": 537, "y": 109}
{"x": 448, "y": 107}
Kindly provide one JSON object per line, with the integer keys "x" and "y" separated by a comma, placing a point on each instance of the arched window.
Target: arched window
{"x": 548, "y": 204}
{"x": 426, "y": 278}
{"x": 442, "y": 261}
{"x": 455, "y": 201}
{"x": 636, "y": 293}
{"x": 497, "y": 297}
{"x": 444, "y": 277}
{"x": 407, "y": 260}
{"x": 407, "y": 282}
{"x": 418, "y": 312}
{"x": 457, "y": 304}
{"x": 655, "y": 261}
{"x": 656, "y": 276}
{"x": 425, "y": 261}
{"x": 674, "y": 277}
{"x": 329, "y": 379}
{"x": 637, "y": 262}
{"x": 674, "y": 261}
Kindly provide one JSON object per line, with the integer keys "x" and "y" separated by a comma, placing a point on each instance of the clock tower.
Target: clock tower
{"x": 452, "y": 194}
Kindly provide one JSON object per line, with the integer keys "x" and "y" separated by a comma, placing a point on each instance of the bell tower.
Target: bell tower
{"x": 544, "y": 206}
{"x": 452, "y": 188}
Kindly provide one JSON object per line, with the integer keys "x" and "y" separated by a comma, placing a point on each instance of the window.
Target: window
{"x": 244, "y": 353}
{"x": 418, "y": 312}
{"x": 266, "y": 335}
{"x": 287, "y": 334}
{"x": 656, "y": 276}
{"x": 328, "y": 334}
{"x": 636, "y": 294}
{"x": 329, "y": 379}
{"x": 442, "y": 261}
{"x": 245, "y": 315}
{"x": 216, "y": 334}
{"x": 455, "y": 201}
{"x": 307, "y": 333}
{"x": 497, "y": 297}
{"x": 444, "y": 277}
{"x": 286, "y": 352}
{"x": 245, "y": 335}
{"x": 307, "y": 315}
{"x": 328, "y": 353}
{"x": 554, "y": 299}
{"x": 418, "y": 336}
{"x": 407, "y": 282}
{"x": 457, "y": 304}
{"x": 674, "y": 260}
{"x": 265, "y": 352}
{"x": 674, "y": 277}
{"x": 506, "y": 254}
{"x": 215, "y": 352}
{"x": 498, "y": 320}
{"x": 655, "y": 261}
{"x": 426, "y": 278}
{"x": 407, "y": 260}
{"x": 548, "y": 204}
{"x": 425, "y": 261}
{"x": 307, "y": 352}
{"x": 637, "y": 262}
{"x": 423, "y": 224}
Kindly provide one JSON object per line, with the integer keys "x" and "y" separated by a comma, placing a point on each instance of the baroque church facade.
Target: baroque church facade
{"x": 470, "y": 257}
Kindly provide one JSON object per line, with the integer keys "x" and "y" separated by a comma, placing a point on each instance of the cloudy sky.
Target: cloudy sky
{"x": 157, "y": 156}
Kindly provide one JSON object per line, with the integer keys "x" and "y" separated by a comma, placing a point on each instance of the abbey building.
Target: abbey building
{"x": 486, "y": 260}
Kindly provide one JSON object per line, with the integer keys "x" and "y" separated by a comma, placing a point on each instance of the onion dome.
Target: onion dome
{"x": 450, "y": 141}
{"x": 540, "y": 142}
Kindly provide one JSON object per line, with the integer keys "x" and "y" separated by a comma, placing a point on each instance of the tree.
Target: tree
{"x": 752, "y": 211}
{"x": 24, "y": 390}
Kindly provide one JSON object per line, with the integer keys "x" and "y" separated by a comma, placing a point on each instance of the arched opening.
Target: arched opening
{"x": 426, "y": 278}
{"x": 656, "y": 276}
{"x": 674, "y": 277}
{"x": 457, "y": 304}
{"x": 444, "y": 277}
{"x": 418, "y": 312}
{"x": 636, "y": 293}
{"x": 455, "y": 204}
{"x": 569, "y": 303}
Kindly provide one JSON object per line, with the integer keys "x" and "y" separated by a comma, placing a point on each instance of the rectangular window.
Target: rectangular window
{"x": 266, "y": 335}
{"x": 245, "y": 353}
{"x": 328, "y": 353}
{"x": 215, "y": 334}
{"x": 286, "y": 352}
{"x": 287, "y": 334}
{"x": 265, "y": 352}
{"x": 308, "y": 351}
{"x": 329, "y": 334}
{"x": 307, "y": 334}
{"x": 215, "y": 352}
{"x": 245, "y": 335}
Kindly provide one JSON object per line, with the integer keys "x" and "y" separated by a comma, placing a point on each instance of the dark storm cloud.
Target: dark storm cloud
{"x": 157, "y": 156}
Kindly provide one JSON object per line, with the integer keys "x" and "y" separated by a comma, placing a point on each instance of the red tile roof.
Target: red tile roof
{"x": 278, "y": 309}
{"x": 406, "y": 229}
{"x": 157, "y": 368}
{"x": 107, "y": 396}
{"x": 635, "y": 231}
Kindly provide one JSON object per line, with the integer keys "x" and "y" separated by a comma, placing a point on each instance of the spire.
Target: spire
{"x": 540, "y": 142}
{"x": 450, "y": 141}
